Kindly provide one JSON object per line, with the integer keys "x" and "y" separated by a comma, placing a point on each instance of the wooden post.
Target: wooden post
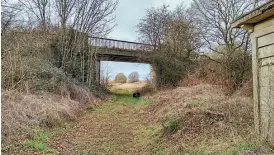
{"x": 255, "y": 85}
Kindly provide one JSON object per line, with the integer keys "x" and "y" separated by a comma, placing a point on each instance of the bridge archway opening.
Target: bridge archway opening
{"x": 109, "y": 69}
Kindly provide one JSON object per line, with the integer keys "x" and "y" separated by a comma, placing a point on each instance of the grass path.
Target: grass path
{"x": 117, "y": 127}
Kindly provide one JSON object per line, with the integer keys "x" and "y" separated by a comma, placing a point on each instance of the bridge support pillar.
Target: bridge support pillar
{"x": 97, "y": 71}
{"x": 152, "y": 75}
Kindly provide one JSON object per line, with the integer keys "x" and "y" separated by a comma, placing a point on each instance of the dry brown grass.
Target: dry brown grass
{"x": 147, "y": 89}
{"x": 246, "y": 90}
{"x": 19, "y": 53}
{"x": 205, "y": 71}
{"x": 35, "y": 92}
{"x": 20, "y": 111}
{"x": 207, "y": 118}
{"x": 209, "y": 122}
{"x": 134, "y": 85}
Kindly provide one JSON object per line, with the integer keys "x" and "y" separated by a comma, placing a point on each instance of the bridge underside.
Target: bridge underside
{"x": 125, "y": 56}
{"x": 121, "y": 56}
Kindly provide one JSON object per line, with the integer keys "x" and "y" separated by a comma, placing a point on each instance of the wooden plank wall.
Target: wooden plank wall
{"x": 263, "y": 79}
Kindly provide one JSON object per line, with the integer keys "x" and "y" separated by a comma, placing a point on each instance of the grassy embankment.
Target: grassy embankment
{"x": 186, "y": 120}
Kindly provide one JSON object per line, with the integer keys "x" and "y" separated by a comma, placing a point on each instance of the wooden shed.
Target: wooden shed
{"x": 260, "y": 23}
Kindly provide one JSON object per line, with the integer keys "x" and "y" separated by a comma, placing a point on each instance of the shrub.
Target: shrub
{"x": 169, "y": 70}
{"x": 120, "y": 78}
{"x": 28, "y": 57}
{"x": 133, "y": 77}
{"x": 147, "y": 89}
{"x": 35, "y": 92}
{"x": 233, "y": 74}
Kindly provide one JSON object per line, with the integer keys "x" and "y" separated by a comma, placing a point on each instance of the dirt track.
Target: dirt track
{"x": 114, "y": 128}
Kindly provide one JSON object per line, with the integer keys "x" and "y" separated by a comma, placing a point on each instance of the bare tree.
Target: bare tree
{"x": 105, "y": 75}
{"x": 181, "y": 36}
{"x": 176, "y": 40}
{"x": 152, "y": 26}
{"x": 133, "y": 77}
{"x": 9, "y": 11}
{"x": 64, "y": 10}
{"x": 214, "y": 19}
{"x": 80, "y": 19}
{"x": 259, "y": 2}
{"x": 94, "y": 16}
{"x": 72, "y": 52}
{"x": 40, "y": 9}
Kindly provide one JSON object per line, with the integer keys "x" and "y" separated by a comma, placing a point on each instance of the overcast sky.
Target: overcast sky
{"x": 128, "y": 15}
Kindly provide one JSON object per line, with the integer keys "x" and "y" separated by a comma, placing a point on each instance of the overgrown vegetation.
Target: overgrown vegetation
{"x": 47, "y": 74}
{"x": 147, "y": 89}
{"x": 201, "y": 122}
{"x": 38, "y": 143}
{"x": 185, "y": 38}
{"x": 48, "y": 77}
{"x": 175, "y": 39}
{"x": 229, "y": 48}
{"x": 133, "y": 77}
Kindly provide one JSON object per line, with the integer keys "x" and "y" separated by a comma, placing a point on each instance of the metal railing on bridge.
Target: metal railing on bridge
{"x": 119, "y": 44}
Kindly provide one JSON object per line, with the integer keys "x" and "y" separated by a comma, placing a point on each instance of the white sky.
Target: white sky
{"x": 129, "y": 13}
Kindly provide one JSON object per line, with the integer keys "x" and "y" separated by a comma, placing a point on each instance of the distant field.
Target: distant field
{"x": 127, "y": 86}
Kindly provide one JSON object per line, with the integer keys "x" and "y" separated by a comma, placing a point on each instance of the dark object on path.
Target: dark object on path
{"x": 136, "y": 94}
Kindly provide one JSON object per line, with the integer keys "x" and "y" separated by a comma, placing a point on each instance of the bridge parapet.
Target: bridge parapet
{"x": 119, "y": 44}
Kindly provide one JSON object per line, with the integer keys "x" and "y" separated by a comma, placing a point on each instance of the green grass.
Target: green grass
{"x": 36, "y": 146}
{"x": 170, "y": 125}
{"x": 237, "y": 149}
{"x": 125, "y": 97}
{"x": 38, "y": 143}
{"x": 243, "y": 147}
{"x": 160, "y": 152}
{"x": 195, "y": 103}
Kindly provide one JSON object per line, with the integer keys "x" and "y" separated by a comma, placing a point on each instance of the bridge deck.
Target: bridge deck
{"x": 119, "y": 44}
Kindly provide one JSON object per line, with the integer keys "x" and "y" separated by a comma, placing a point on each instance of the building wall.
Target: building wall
{"x": 263, "y": 78}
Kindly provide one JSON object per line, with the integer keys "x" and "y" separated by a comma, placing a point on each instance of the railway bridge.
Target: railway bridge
{"x": 118, "y": 50}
